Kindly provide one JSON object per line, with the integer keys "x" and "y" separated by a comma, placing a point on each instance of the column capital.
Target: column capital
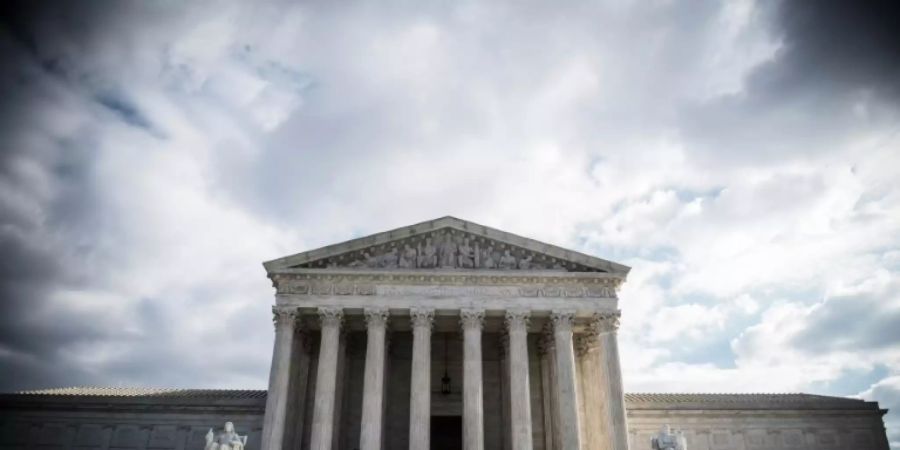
{"x": 284, "y": 315}
{"x": 421, "y": 317}
{"x": 562, "y": 320}
{"x": 517, "y": 319}
{"x": 606, "y": 322}
{"x": 377, "y": 317}
{"x": 584, "y": 343}
{"x": 330, "y": 316}
{"x": 471, "y": 318}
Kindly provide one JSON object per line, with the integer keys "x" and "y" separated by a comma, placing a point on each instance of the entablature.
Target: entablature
{"x": 444, "y": 283}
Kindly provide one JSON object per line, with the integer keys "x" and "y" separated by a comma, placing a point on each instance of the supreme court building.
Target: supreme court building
{"x": 440, "y": 335}
{"x": 446, "y": 330}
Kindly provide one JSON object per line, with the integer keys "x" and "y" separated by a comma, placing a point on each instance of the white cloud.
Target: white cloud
{"x": 887, "y": 393}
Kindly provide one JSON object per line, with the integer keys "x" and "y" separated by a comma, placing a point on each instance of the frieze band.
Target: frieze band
{"x": 325, "y": 288}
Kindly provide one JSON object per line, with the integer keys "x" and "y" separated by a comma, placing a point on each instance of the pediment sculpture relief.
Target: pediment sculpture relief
{"x": 447, "y": 249}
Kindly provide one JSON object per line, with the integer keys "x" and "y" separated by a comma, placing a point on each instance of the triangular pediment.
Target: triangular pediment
{"x": 447, "y": 243}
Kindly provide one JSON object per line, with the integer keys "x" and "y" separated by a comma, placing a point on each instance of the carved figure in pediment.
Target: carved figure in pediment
{"x": 357, "y": 263}
{"x": 407, "y": 258}
{"x": 228, "y": 439}
{"x": 507, "y": 261}
{"x": 372, "y": 260}
{"x": 427, "y": 255}
{"x": 487, "y": 259}
{"x": 466, "y": 255}
{"x": 448, "y": 251}
{"x": 525, "y": 263}
{"x": 390, "y": 259}
{"x": 367, "y": 260}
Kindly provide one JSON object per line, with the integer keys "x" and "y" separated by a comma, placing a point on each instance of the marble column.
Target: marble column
{"x": 284, "y": 319}
{"x": 519, "y": 392}
{"x": 373, "y": 384}
{"x": 503, "y": 350}
{"x": 565, "y": 380}
{"x": 340, "y": 382}
{"x": 326, "y": 378}
{"x": 549, "y": 407}
{"x": 606, "y": 325}
{"x": 420, "y": 384}
{"x": 296, "y": 411}
{"x": 472, "y": 321}
{"x": 592, "y": 422}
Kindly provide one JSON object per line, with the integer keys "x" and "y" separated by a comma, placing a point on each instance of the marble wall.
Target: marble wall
{"x": 138, "y": 424}
{"x": 762, "y": 429}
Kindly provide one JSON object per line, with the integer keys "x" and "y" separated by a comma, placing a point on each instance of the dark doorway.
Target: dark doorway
{"x": 446, "y": 433}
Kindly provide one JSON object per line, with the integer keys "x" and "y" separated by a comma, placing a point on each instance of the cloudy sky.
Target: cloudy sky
{"x": 742, "y": 157}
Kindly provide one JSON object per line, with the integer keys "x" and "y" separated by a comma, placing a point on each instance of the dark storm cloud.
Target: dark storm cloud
{"x": 68, "y": 309}
{"x": 53, "y": 34}
{"x": 854, "y": 44}
{"x": 837, "y": 71}
{"x": 30, "y": 337}
{"x": 47, "y": 198}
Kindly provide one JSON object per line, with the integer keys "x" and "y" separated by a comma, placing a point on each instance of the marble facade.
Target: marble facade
{"x": 489, "y": 292}
{"x": 441, "y": 335}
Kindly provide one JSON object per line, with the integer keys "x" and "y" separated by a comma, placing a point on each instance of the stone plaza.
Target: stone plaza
{"x": 440, "y": 335}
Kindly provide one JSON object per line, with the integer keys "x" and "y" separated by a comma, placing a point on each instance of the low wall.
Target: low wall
{"x": 750, "y": 422}
{"x": 164, "y": 421}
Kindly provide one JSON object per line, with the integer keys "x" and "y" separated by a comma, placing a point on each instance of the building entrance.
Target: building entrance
{"x": 446, "y": 433}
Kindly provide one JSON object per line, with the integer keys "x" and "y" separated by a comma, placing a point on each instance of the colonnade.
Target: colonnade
{"x": 568, "y": 415}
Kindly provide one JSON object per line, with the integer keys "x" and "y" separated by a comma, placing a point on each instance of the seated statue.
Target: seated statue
{"x": 507, "y": 261}
{"x": 228, "y": 439}
{"x": 667, "y": 440}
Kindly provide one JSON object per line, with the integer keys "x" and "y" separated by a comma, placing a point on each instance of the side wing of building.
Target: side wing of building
{"x": 129, "y": 419}
{"x": 126, "y": 419}
{"x": 758, "y": 421}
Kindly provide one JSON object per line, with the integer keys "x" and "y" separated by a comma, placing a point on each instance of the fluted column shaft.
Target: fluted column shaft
{"x": 550, "y": 405}
{"x": 606, "y": 326}
{"x": 326, "y": 377}
{"x": 472, "y": 321}
{"x": 565, "y": 378}
{"x": 279, "y": 378}
{"x": 519, "y": 393}
{"x": 296, "y": 408}
{"x": 592, "y": 391}
{"x": 420, "y": 384}
{"x": 373, "y": 384}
